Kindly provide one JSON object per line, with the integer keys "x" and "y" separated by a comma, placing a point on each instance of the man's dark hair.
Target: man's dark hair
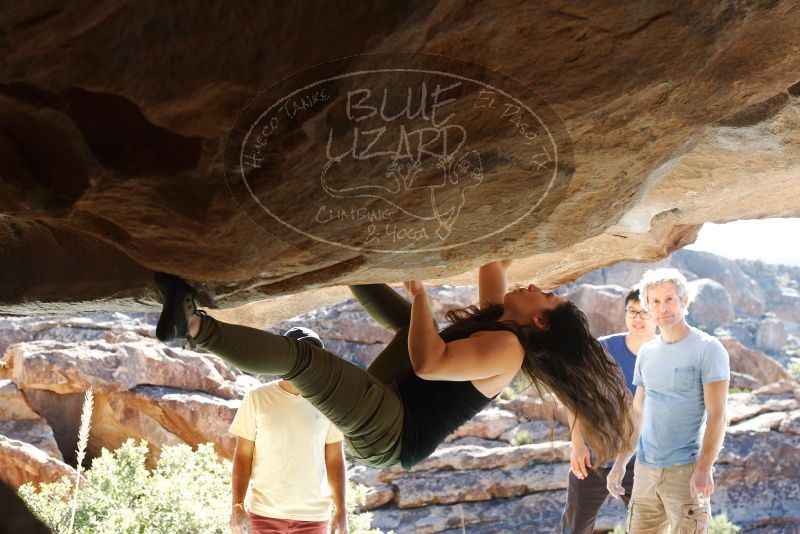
{"x": 632, "y": 296}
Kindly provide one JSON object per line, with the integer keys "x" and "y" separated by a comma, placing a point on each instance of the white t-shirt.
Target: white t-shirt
{"x": 288, "y": 478}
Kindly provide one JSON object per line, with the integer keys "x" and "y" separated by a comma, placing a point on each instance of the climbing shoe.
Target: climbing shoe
{"x": 178, "y": 306}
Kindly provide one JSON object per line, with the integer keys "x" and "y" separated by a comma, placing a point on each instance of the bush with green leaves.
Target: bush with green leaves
{"x": 794, "y": 368}
{"x": 721, "y": 525}
{"x": 359, "y": 523}
{"x": 519, "y": 386}
{"x": 187, "y": 492}
{"x": 522, "y": 438}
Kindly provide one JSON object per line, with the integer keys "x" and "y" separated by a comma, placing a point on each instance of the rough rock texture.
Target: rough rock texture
{"x": 69, "y": 368}
{"x": 163, "y": 416}
{"x": 110, "y": 327}
{"x": 23, "y": 462}
{"x": 20, "y": 422}
{"x": 464, "y": 486}
{"x": 743, "y": 381}
{"x": 535, "y": 432}
{"x": 754, "y": 363}
{"x": 450, "y": 457}
{"x": 488, "y": 424}
{"x": 787, "y": 305}
{"x": 604, "y": 306}
{"x": 743, "y": 406}
{"x": 771, "y": 335}
{"x": 35, "y": 432}
{"x": 143, "y": 389}
{"x": 712, "y": 304}
{"x": 113, "y": 163}
{"x": 745, "y": 292}
{"x": 791, "y": 423}
{"x": 13, "y": 404}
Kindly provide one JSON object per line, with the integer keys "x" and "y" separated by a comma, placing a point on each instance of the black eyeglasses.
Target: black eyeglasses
{"x": 631, "y": 314}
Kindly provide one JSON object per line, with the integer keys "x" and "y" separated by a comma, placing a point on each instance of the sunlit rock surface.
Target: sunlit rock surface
{"x": 113, "y": 163}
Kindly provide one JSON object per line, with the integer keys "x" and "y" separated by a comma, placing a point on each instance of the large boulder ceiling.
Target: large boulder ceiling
{"x": 114, "y": 116}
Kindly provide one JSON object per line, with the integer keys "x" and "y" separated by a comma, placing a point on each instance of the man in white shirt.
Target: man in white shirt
{"x": 288, "y": 461}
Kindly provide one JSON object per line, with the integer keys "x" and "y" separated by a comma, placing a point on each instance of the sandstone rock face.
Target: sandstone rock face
{"x": 488, "y": 424}
{"x": 742, "y": 329}
{"x": 712, "y": 305}
{"x": 780, "y": 387}
{"x": 143, "y": 389}
{"x": 464, "y": 486}
{"x": 163, "y": 416}
{"x": 771, "y": 335}
{"x": 535, "y": 432}
{"x": 745, "y": 293}
{"x": 787, "y": 305}
{"x": 462, "y": 457}
{"x": 763, "y": 422}
{"x": 791, "y": 424}
{"x": 23, "y": 463}
{"x": 13, "y": 404}
{"x": 674, "y": 120}
{"x": 744, "y": 406}
{"x": 743, "y": 381}
{"x": 378, "y": 496}
{"x": 109, "y": 327}
{"x": 605, "y": 306}
{"x": 69, "y": 368}
{"x": 34, "y": 432}
{"x": 18, "y": 421}
{"x": 754, "y": 363}
{"x": 540, "y": 510}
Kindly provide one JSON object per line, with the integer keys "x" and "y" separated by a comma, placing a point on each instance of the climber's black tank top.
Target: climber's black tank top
{"x": 433, "y": 410}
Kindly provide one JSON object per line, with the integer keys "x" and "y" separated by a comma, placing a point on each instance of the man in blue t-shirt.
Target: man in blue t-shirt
{"x": 587, "y": 488}
{"x": 678, "y": 413}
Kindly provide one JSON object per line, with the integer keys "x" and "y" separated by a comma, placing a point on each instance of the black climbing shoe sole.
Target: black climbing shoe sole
{"x": 173, "y": 322}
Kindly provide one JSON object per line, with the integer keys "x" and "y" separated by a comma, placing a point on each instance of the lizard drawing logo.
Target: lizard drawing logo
{"x": 447, "y": 187}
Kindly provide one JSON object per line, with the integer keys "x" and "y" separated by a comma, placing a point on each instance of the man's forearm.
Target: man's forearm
{"x": 712, "y": 442}
{"x": 337, "y": 481}
{"x": 627, "y": 453}
{"x": 715, "y": 396}
{"x": 240, "y": 479}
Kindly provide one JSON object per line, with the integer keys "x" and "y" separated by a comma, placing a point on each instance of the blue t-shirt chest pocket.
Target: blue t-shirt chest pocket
{"x": 684, "y": 378}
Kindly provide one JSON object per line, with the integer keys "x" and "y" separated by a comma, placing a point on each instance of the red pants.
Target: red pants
{"x": 267, "y": 525}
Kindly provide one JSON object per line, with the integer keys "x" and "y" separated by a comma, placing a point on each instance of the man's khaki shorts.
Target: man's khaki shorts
{"x": 661, "y": 498}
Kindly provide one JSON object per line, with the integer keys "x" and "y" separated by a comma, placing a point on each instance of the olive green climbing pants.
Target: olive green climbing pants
{"x": 364, "y": 405}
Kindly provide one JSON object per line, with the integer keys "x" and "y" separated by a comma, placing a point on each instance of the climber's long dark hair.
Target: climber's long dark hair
{"x": 569, "y": 362}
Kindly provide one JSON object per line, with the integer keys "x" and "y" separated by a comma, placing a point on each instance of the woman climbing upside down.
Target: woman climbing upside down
{"x": 426, "y": 383}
